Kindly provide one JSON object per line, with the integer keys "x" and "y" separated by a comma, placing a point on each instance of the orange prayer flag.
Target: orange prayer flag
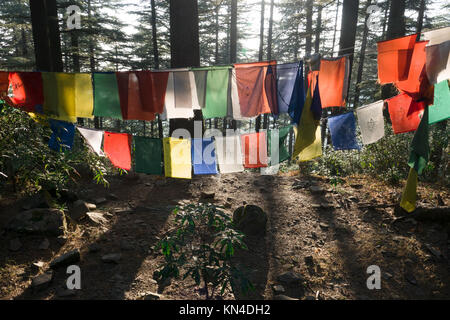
{"x": 254, "y": 150}
{"x": 117, "y": 147}
{"x": 250, "y": 79}
{"x": 394, "y": 59}
{"x": 333, "y": 82}
{"x": 27, "y": 90}
{"x": 417, "y": 82}
{"x": 405, "y": 113}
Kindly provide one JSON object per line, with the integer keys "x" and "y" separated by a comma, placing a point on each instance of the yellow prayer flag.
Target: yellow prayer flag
{"x": 177, "y": 158}
{"x": 409, "y": 196}
{"x": 84, "y": 96}
{"x": 308, "y": 142}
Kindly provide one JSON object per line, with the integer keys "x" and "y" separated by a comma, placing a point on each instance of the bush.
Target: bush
{"x": 29, "y": 165}
{"x": 202, "y": 245}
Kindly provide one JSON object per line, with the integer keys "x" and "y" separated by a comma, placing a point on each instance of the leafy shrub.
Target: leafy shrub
{"x": 202, "y": 245}
{"x": 29, "y": 165}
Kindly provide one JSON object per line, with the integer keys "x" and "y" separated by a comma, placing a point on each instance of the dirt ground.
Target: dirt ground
{"x": 329, "y": 234}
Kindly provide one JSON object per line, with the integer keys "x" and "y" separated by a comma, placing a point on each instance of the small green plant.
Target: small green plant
{"x": 202, "y": 246}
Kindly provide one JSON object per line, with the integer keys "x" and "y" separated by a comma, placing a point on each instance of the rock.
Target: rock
{"x": 91, "y": 206}
{"x": 207, "y": 195}
{"x": 251, "y": 220}
{"x": 283, "y": 297}
{"x": 357, "y": 186}
{"x": 152, "y": 296}
{"x": 45, "y": 244}
{"x": 290, "y": 278}
{"x": 112, "y": 196}
{"x": 310, "y": 298}
{"x": 93, "y": 248}
{"x": 100, "y": 201}
{"x": 65, "y": 293}
{"x": 78, "y": 210}
{"x": 411, "y": 279}
{"x": 309, "y": 260}
{"x": 39, "y": 221}
{"x": 67, "y": 195}
{"x": 15, "y": 245}
{"x": 66, "y": 259}
{"x": 112, "y": 258}
{"x": 42, "y": 281}
{"x": 278, "y": 289}
{"x": 316, "y": 189}
{"x": 324, "y": 225}
{"x": 97, "y": 218}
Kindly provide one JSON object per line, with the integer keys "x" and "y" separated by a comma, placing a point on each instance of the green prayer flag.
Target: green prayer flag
{"x": 440, "y": 111}
{"x": 148, "y": 155}
{"x": 283, "y": 151}
{"x": 106, "y": 96}
{"x": 216, "y": 98}
{"x": 420, "y": 147}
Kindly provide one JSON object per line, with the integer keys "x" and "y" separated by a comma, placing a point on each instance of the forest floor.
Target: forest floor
{"x": 328, "y": 234}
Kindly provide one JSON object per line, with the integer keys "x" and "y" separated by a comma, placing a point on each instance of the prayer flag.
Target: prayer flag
{"x": 420, "y": 146}
{"x": 117, "y": 148}
{"x": 27, "y": 90}
{"x": 106, "y": 96}
{"x": 333, "y": 81}
{"x": 286, "y": 79}
{"x": 216, "y": 98}
{"x": 229, "y": 154}
{"x": 62, "y": 136}
{"x": 371, "y": 122}
{"x": 254, "y": 149}
{"x": 177, "y": 158}
{"x": 405, "y": 113}
{"x": 409, "y": 196}
{"x": 297, "y": 101}
{"x": 438, "y": 55}
{"x": 204, "y": 156}
{"x": 94, "y": 138}
{"x": 440, "y": 110}
{"x": 343, "y": 132}
{"x": 152, "y": 90}
{"x": 148, "y": 155}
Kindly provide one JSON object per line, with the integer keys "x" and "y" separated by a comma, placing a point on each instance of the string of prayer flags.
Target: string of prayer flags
{"x": 371, "y": 122}
{"x": 106, "y": 96}
{"x": 420, "y": 146}
{"x": 394, "y": 59}
{"x": 27, "y": 90}
{"x": 254, "y": 149}
{"x": 440, "y": 110}
{"x": 333, "y": 81}
{"x": 229, "y": 154}
{"x": 152, "y": 90}
{"x": 177, "y": 158}
{"x": 130, "y": 98}
{"x": 117, "y": 147}
{"x": 250, "y": 78}
{"x": 286, "y": 79}
{"x": 204, "y": 156}
{"x": 62, "y": 135}
{"x": 308, "y": 141}
{"x": 409, "y": 195}
{"x": 298, "y": 98}
{"x": 216, "y": 96}
{"x": 343, "y": 132}
{"x": 405, "y": 113}
{"x": 416, "y": 83}
{"x": 94, "y": 139}
{"x": 148, "y": 155}
{"x": 438, "y": 55}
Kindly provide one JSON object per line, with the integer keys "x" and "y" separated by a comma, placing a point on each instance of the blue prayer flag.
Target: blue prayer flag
{"x": 343, "y": 132}
{"x": 204, "y": 156}
{"x": 62, "y": 136}
{"x": 298, "y": 97}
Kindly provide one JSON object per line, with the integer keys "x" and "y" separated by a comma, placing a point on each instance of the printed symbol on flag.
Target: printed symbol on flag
{"x": 371, "y": 124}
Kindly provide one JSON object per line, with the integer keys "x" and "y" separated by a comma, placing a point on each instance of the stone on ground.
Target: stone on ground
{"x": 251, "y": 220}
{"x": 66, "y": 259}
{"x": 39, "y": 221}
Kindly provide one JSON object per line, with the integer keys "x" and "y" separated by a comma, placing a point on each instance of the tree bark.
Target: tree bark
{"x": 422, "y": 9}
{"x": 396, "y": 24}
{"x": 46, "y": 36}
{"x": 309, "y": 31}
{"x": 261, "y": 53}
{"x": 184, "y": 48}
{"x": 318, "y": 29}
{"x": 233, "y": 42}
{"x": 348, "y": 29}
{"x": 362, "y": 56}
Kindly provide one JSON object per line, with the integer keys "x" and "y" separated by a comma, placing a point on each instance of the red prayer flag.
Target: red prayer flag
{"x": 394, "y": 59}
{"x": 117, "y": 146}
{"x": 254, "y": 149}
{"x": 130, "y": 98}
{"x": 27, "y": 90}
{"x": 417, "y": 82}
{"x": 405, "y": 113}
{"x": 152, "y": 87}
{"x": 250, "y": 80}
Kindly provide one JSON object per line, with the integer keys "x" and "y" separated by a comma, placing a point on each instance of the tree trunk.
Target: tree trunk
{"x": 216, "y": 50}
{"x": 261, "y": 53}
{"x": 362, "y": 56}
{"x": 348, "y": 29}
{"x": 318, "y": 29}
{"x": 233, "y": 42}
{"x": 47, "y": 42}
{"x": 184, "y": 48}
{"x": 335, "y": 26}
{"x": 154, "y": 36}
{"x": 422, "y": 9}
{"x": 309, "y": 31}
{"x": 270, "y": 36}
